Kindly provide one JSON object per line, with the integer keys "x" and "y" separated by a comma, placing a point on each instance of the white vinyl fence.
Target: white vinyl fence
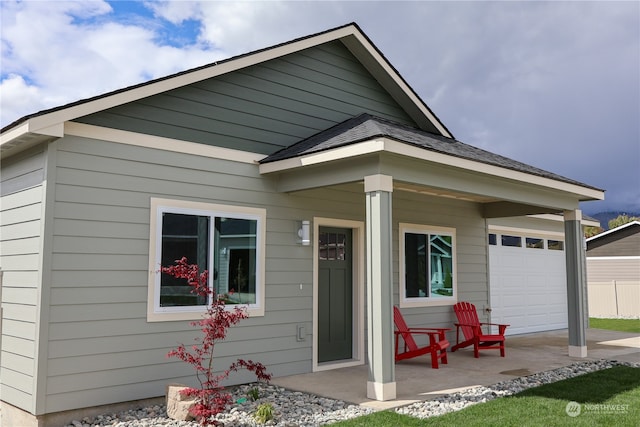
{"x": 614, "y": 299}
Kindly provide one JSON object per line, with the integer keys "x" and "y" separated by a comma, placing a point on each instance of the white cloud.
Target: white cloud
{"x": 65, "y": 51}
{"x": 175, "y": 11}
{"x": 554, "y": 84}
{"x": 18, "y": 97}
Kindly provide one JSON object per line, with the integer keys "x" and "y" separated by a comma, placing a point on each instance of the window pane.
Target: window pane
{"x": 515, "y": 241}
{"x": 492, "y": 239}
{"x": 441, "y": 257}
{"x": 415, "y": 253}
{"x": 332, "y": 246}
{"x": 555, "y": 245}
{"x": 183, "y": 236}
{"x": 235, "y": 262}
{"x": 534, "y": 243}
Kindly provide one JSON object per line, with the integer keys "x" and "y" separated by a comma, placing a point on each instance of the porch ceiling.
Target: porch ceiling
{"x": 439, "y": 192}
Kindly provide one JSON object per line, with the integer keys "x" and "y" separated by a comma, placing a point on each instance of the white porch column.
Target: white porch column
{"x": 576, "y": 282}
{"x": 381, "y": 384}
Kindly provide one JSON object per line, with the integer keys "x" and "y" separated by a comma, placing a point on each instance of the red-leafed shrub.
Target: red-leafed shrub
{"x": 211, "y": 398}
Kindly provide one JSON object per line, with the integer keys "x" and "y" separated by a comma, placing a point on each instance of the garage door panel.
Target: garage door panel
{"x": 528, "y": 288}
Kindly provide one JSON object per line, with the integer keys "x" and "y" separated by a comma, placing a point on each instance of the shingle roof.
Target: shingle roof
{"x": 365, "y": 127}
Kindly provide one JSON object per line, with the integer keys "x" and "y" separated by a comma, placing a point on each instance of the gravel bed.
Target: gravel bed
{"x": 292, "y": 408}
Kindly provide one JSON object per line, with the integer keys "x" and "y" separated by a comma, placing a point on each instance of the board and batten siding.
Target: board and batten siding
{"x": 264, "y": 107}
{"x": 21, "y": 209}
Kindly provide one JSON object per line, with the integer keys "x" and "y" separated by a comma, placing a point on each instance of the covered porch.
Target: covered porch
{"x": 384, "y": 158}
{"x": 526, "y": 355}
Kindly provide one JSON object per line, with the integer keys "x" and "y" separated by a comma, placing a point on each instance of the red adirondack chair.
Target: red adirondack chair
{"x": 437, "y": 346}
{"x": 472, "y": 330}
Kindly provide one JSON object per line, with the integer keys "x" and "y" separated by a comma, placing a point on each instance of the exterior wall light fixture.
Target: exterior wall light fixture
{"x": 304, "y": 233}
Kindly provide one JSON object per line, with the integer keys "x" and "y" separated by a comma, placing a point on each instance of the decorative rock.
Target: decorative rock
{"x": 305, "y": 410}
{"x": 179, "y": 406}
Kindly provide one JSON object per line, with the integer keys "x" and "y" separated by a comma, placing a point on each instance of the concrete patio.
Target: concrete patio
{"x": 416, "y": 380}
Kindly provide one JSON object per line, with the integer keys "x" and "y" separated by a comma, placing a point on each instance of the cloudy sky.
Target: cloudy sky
{"x": 552, "y": 84}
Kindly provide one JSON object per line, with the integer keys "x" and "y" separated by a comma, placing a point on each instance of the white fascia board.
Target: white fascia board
{"x": 392, "y": 146}
{"x": 17, "y": 132}
{"x": 160, "y": 143}
{"x": 150, "y": 89}
{"x": 55, "y": 130}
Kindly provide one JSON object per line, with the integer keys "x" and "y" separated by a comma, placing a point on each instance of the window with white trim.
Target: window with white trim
{"x": 428, "y": 265}
{"x": 228, "y": 241}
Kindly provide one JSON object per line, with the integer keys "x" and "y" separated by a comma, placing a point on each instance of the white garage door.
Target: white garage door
{"x": 528, "y": 282}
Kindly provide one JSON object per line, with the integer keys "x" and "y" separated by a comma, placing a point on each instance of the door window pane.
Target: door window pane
{"x": 332, "y": 246}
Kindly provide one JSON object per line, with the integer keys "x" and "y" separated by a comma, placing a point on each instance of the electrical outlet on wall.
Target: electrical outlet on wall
{"x": 301, "y": 333}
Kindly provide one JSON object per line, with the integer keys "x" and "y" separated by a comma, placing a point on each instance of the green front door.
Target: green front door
{"x": 335, "y": 294}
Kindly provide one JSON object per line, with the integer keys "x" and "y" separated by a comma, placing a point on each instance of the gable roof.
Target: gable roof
{"x": 614, "y": 230}
{"x": 366, "y": 127}
{"x": 49, "y": 123}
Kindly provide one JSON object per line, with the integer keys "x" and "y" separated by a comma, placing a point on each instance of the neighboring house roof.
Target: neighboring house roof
{"x": 616, "y": 230}
{"x": 620, "y": 242}
{"x": 366, "y": 127}
{"x": 50, "y": 123}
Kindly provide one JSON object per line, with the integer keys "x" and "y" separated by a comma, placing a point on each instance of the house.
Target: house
{"x": 309, "y": 177}
{"x": 613, "y": 271}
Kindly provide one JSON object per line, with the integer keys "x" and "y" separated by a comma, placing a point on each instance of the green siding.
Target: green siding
{"x": 101, "y": 348}
{"x": 261, "y": 108}
{"x": 20, "y": 242}
{"x": 471, "y": 251}
{"x": 98, "y": 334}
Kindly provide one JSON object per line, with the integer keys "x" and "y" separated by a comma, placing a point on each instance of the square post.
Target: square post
{"x": 381, "y": 382}
{"x": 576, "y": 282}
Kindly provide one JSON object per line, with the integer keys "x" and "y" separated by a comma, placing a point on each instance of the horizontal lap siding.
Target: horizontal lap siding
{"x": 471, "y": 251}
{"x": 610, "y": 269}
{"x": 101, "y": 349}
{"x": 262, "y": 108}
{"x": 99, "y": 337}
{"x": 20, "y": 241}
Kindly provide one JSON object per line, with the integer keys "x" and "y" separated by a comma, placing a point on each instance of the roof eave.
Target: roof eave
{"x": 26, "y": 136}
{"x": 383, "y": 144}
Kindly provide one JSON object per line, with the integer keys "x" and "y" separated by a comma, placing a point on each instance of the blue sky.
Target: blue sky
{"x": 552, "y": 84}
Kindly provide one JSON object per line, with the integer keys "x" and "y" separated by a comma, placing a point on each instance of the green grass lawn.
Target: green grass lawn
{"x": 608, "y": 397}
{"x": 624, "y": 325}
